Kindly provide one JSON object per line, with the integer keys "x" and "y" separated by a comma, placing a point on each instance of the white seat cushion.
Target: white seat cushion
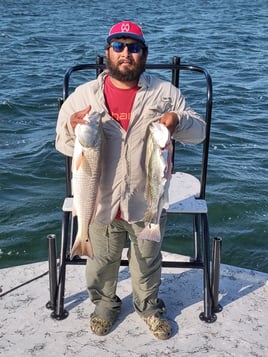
{"x": 183, "y": 195}
{"x": 184, "y": 191}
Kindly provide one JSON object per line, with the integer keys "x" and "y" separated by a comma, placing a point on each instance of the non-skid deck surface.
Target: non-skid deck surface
{"x": 26, "y": 328}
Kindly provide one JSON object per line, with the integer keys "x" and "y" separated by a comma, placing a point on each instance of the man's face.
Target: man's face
{"x": 125, "y": 65}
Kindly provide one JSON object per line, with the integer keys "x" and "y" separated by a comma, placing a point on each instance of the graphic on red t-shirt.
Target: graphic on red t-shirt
{"x": 119, "y": 102}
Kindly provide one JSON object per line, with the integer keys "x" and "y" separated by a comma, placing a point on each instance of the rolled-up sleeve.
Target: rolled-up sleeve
{"x": 191, "y": 128}
{"x": 76, "y": 101}
{"x": 64, "y": 133}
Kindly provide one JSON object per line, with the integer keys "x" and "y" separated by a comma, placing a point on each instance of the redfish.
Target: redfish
{"x": 86, "y": 175}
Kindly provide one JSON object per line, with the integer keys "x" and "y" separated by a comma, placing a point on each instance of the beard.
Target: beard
{"x": 127, "y": 75}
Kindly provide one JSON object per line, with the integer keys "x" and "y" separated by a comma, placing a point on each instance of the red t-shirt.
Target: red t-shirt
{"x": 119, "y": 102}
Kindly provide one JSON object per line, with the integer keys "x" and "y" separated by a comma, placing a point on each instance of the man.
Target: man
{"x": 129, "y": 101}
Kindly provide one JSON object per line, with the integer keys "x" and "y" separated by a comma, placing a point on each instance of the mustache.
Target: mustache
{"x": 129, "y": 60}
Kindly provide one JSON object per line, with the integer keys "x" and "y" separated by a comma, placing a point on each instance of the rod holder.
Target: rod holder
{"x": 58, "y": 312}
{"x": 215, "y": 276}
{"x": 52, "y": 266}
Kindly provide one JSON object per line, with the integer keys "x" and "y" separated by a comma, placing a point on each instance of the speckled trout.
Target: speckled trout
{"x": 158, "y": 164}
{"x": 86, "y": 174}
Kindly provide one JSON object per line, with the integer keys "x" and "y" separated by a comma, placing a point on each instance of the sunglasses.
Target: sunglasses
{"x": 132, "y": 47}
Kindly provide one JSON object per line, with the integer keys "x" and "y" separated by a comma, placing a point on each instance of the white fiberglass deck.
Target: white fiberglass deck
{"x": 26, "y": 328}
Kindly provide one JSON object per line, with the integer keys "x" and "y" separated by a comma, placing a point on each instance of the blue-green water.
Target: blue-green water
{"x": 39, "y": 41}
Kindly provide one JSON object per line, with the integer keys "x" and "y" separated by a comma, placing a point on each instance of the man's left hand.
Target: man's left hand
{"x": 170, "y": 120}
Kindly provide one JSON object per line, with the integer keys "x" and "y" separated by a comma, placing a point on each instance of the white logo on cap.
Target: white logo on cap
{"x": 125, "y": 28}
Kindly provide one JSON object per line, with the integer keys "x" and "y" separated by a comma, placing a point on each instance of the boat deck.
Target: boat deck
{"x": 26, "y": 328}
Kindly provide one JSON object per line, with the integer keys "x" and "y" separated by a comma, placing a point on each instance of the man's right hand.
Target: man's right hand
{"x": 78, "y": 117}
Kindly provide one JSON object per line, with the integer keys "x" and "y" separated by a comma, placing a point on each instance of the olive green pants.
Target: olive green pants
{"x": 102, "y": 271}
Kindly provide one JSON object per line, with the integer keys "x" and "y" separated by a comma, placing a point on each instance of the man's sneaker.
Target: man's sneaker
{"x": 99, "y": 326}
{"x": 159, "y": 326}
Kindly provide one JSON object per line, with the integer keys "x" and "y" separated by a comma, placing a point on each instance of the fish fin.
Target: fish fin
{"x": 151, "y": 232}
{"x": 83, "y": 160}
{"x": 77, "y": 162}
{"x": 77, "y": 156}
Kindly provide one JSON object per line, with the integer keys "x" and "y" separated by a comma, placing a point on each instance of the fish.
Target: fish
{"x": 85, "y": 180}
{"x": 158, "y": 165}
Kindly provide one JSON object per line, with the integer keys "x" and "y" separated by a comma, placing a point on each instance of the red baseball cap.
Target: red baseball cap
{"x": 126, "y": 29}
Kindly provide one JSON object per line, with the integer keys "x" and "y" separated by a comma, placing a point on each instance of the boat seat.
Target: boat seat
{"x": 184, "y": 193}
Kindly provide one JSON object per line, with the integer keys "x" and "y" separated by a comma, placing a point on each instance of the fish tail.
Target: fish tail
{"x": 81, "y": 248}
{"x": 151, "y": 232}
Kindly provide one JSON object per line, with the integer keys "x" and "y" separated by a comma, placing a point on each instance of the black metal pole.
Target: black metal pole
{"x": 176, "y": 71}
{"x": 175, "y": 81}
{"x": 59, "y": 313}
{"x": 52, "y": 266}
{"x": 208, "y": 314}
{"x": 99, "y": 61}
{"x": 215, "y": 276}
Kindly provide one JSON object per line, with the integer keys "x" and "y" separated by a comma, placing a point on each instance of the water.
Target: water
{"x": 39, "y": 41}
